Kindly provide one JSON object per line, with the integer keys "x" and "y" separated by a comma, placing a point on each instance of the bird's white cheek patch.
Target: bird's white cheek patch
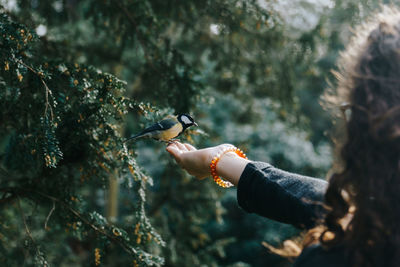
{"x": 186, "y": 120}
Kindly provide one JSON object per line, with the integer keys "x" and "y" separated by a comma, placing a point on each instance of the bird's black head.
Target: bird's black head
{"x": 186, "y": 120}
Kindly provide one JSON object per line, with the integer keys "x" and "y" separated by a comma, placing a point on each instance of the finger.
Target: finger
{"x": 175, "y": 152}
{"x": 190, "y": 147}
{"x": 172, "y": 149}
{"x": 172, "y": 144}
{"x": 181, "y": 146}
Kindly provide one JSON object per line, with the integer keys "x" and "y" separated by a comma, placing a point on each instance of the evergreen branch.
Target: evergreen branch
{"x": 125, "y": 247}
{"x": 48, "y": 91}
{"x": 16, "y": 192}
{"x": 29, "y": 234}
{"x": 83, "y": 219}
{"x": 48, "y": 216}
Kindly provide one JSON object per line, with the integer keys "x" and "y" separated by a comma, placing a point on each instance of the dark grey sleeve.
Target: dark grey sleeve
{"x": 281, "y": 196}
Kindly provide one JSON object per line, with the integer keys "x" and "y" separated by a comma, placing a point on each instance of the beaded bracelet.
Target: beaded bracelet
{"x": 213, "y": 165}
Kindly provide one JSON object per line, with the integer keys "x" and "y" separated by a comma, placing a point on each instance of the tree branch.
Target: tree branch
{"x": 47, "y": 90}
{"x": 28, "y": 232}
{"x": 83, "y": 219}
{"x": 48, "y": 216}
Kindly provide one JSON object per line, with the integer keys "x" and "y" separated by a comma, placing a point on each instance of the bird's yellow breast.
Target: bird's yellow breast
{"x": 171, "y": 132}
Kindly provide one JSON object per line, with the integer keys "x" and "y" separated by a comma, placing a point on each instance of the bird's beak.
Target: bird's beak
{"x": 195, "y": 124}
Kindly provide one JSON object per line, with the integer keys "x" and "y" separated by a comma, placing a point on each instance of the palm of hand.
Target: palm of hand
{"x": 195, "y": 161}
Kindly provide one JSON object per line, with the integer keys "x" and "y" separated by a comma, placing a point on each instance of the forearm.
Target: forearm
{"x": 274, "y": 193}
{"x": 262, "y": 189}
{"x": 280, "y": 195}
{"x": 231, "y": 167}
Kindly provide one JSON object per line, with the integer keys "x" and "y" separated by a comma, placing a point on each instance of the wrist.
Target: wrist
{"x": 226, "y": 160}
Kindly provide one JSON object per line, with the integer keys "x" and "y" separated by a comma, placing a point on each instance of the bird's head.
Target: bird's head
{"x": 186, "y": 120}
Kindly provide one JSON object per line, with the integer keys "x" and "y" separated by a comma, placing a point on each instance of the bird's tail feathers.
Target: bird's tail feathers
{"x": 137, "y": 136}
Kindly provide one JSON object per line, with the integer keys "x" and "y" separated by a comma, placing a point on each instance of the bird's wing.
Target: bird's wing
{"x": 155, "y": 129}
{"x": 162, "y": 125}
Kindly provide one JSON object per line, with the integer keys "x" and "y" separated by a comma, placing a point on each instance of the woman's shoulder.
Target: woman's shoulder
{"x": 316, "y": 255}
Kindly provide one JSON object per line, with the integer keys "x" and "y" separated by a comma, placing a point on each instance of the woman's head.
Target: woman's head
{"x": 368, "y": 185}
{"x": 370, "y": 74}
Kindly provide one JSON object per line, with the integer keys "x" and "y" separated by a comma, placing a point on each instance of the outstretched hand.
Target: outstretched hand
{"x": 195, "y": 161}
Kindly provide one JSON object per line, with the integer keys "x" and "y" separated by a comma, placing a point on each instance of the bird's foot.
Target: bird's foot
{"x": 172, "y": 141}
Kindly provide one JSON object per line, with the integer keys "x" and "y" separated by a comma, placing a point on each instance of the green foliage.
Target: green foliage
{"x": 64, "y": 120}
{"x": 247, "y": 71}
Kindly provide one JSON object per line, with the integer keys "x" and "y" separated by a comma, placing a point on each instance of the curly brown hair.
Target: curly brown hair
{"x": 365, "y": 192}
{"x": 363, "y": 196}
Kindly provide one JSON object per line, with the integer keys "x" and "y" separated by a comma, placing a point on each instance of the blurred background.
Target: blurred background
{"x": 78, "y": 77}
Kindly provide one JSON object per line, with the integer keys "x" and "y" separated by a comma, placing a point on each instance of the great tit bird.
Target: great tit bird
{"x": 167, "y": 129}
